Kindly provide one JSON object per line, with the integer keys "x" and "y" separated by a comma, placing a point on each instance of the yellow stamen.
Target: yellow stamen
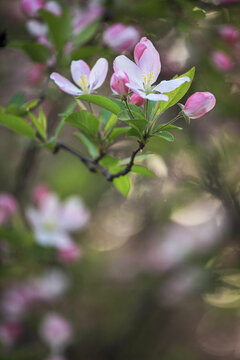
{"x": 83, "y": 82}
{"x": 148, "y": 80}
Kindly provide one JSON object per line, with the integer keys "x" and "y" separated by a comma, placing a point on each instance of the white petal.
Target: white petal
{"x": 98, "y": 74}
{"x": 170, "y": 85}
{"x": 78, "y": 69}
{"x": 124, "y": 64}
{"x": 65, "y": 85}
{"x": 157, "y": 97}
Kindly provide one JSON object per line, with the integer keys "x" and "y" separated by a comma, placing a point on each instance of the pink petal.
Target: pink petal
{"x": 98, "y": 74}
{"x": 166, "y": 86}
{"x": 122, "y": 63}
{"x": 65, "y": 85}
{"x": 147, "y": 59}
{"x": 78, "y": 69}
{"x": 199, "y": 104}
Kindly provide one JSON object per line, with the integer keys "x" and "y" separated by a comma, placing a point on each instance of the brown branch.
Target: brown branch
{"x": 93, "y": 165}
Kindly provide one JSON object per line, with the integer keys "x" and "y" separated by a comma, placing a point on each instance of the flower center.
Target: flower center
{"x": 83, "y": 82}
{"x": 147, "y": 78}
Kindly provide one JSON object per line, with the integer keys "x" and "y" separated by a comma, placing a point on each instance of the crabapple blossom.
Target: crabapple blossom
{"x": 144, "y": 72}
{"x": 229, "y": 34}
{"x": 120, "y": 37}
{"x": 40, "y": 193}
{"x": 87, "y": 80}
{"x": 118, "y": 83}
{"x": 56, "y": 331}
{"x": 199, "y": 104}
{"x": 221, "y": 60}
{"x": 36, "y": 28}
{"x": 136, "y": 100}
{"x": 31, "y": 7}
{"x": 53, "y": 221}
{"x": 8, "y": 207}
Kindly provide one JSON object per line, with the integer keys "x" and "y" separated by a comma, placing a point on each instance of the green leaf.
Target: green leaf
{"x": 42, "y": 119}
{"x": 18, "y": 125}
{"x": 17, "y": 99}
{"x": 59, "y": 27}
{"x": 124, "y": 115}
{"x": 122, "y": 184}
{"x": 134, "y": 132}
{"x": 36, "y": 52}
{"x": 92, "y": 148}
{"x": 177, "y": 94}
{"x": 165, "y": 135}
{"x": 87, "y": 52}
{"x": 85, "y": 35}
{"x": 142, "y": 170}
{"x": 101, "y": 101}
{"x": 117, "y": 132}
{"x": 68, "y": 110}
{"x": 37, "y": 125}
{"x": 111, "y": 122}
{"x": 31, "y": 104}
{"x": 109, "y": 161}
{"x": 137, "y": 110}
{"x": 139, "y": 124}
{"x": 167, "y": 127}
{"x": 84, "y": 121}
{"x": 15, "y": 110}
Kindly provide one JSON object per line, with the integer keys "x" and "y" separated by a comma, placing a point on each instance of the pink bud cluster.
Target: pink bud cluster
{"x": 31, "y": 7}
{"x": 120, "y": 37}
{"x": 8, "y": 207}
{"x": 199, "y": 104}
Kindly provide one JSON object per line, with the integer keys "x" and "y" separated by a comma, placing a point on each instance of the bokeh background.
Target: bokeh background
{"x": 158, "y": 276}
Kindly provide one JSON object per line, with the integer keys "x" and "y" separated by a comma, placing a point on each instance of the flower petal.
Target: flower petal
{"x": 78, "y": 69}
{"x": 65, "y": 85}
{"x": 98, "y": 74}
{"x": 166, "y": 86}
{"x": 157, "y": 97}
{"x": 122, "y": 63}
{"x": 147, "y": 58}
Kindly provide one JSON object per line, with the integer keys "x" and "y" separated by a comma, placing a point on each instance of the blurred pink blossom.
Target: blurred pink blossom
{"x": 36, "y": 73}
{"x": 221, "y": 60}
{"x": 120, "y": 37}
{"x": 199, "y": 104}
{"x": 40, "y": 193}
{"x": 81, "y": 19}
{"x": 36, "y": 28}
{"x": 8, "y": 207}
{"x": 10, "y": 332}
{"x": 229, "y": 34}
{"x": 53, "y": 221}
{"x": 53, "y": 7}
{"x": 136, "y": 100}
{"x": 56, "y": 331}
{"x": 118, "y": 83}
{"x": 31, "y": 7}
{"x": 70, "y": 253}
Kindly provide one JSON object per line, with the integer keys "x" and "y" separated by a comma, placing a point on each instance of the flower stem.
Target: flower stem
{"x": 129, "y": 110}
{"x": 169, "y": 122}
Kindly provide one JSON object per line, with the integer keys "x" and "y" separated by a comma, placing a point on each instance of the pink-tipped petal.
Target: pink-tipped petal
{"x": 118, "y": 83}
{"x": 166, "y": 86}
{"x": 54, "y": 8}
{"x": 65, "y": 85}
{"x": 147, "y": 59}
{"x": 199, "y": 104}
{"x": 79, "y": 68}
{"x": 136, "y": 100}
{"x": 122, "y": 63}
{"x": 98, "y": 74}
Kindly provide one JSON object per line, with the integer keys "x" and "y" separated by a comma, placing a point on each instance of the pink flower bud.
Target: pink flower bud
{"x": 136, "y": 100}
{"x": 222, "y": 61}
{"x": 8, "y": 207}
{"x": 31, "y": 7}
{"x": 69, "y": 253}
{"x": 229, "y": 34}
{"x": 36, "y": 73}
{"x": 56, "y": 331}
{"x": 53, "y": 7}
{"x": 120, "y": 37}
{"x": 40, "y": 193}
{"x": 199, "y": 104}
{"x": 118, "y": 83}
